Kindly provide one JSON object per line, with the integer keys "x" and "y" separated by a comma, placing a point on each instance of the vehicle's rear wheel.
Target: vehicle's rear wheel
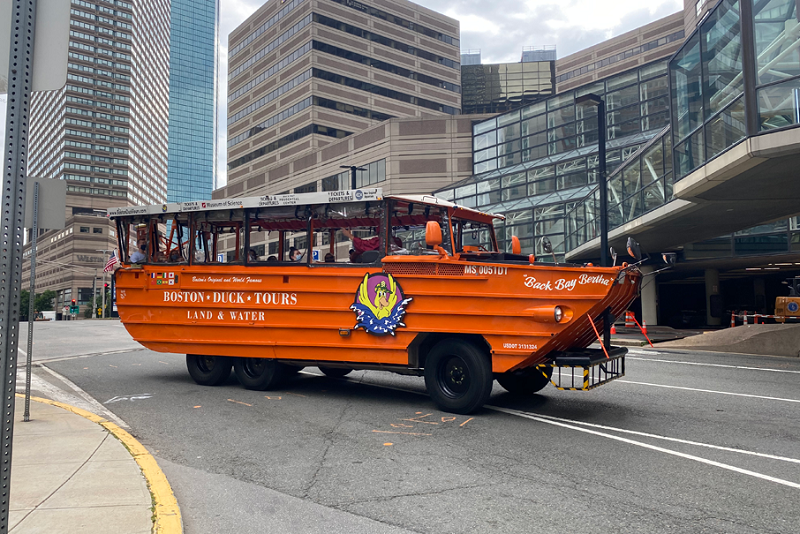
{"x": 335, "y": 372}
{"x": 208, "y": 370}
{"x": 258, "y": 373}
{"x": 526, "y": 382}
{"x": 458, "y": 376}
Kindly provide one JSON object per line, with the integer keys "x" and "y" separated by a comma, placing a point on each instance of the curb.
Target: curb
{"x": 167, "y": 513}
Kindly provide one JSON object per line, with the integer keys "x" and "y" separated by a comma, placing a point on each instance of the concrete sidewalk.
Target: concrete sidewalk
{"x": 71, "y": 475}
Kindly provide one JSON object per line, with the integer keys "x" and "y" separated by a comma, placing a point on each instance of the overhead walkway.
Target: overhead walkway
{"x": 731, "y": 157}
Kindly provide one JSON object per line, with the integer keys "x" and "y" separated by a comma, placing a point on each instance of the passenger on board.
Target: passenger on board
{"x": 362, "y": 245}
{"x": 140, "y": 255}
{"x": 295, "y": 255}
{"x": 251, "y": 255}
{"x": 372, "y": 243}
{"x": 330, "y": 258}
{"x": 272, "y": 258}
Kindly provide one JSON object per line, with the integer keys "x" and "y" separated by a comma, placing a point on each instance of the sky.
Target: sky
{"x": 499, "y": 28}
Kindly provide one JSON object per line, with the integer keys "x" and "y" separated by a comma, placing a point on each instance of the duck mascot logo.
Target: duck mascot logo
{"x": 379, "y": 305}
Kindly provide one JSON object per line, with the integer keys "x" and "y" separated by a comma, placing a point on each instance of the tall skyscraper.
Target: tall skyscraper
{"x": 304, "y": 73}
{"x": 192, "y": 100}
{"x": 134, "y": 124}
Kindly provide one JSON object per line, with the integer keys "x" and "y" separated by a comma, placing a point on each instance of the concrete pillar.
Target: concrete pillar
{"x": 649, "y": 296}
{"x": 712, "y": 288}
{"x": 760, "y": 291}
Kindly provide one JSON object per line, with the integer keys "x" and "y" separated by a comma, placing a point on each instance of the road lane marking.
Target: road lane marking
{"x": 743, "y": 367}
{"x": 676, "y": 440}
{"x": 59, "y": 394}
{"x": 648, "y": 446}
{"x": 708, "y": 391}
{"x": 558, "y": 422}
{"x": 240, "y": 402}
{"x": 140, "y": 396}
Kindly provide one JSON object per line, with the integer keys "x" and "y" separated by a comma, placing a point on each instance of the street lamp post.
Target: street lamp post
{"x": 353, "y": 169}
{"x": 597, "y": 101}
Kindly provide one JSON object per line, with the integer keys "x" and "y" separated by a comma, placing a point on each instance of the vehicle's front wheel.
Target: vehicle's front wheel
{"x": 258, "y": 373}
{"x": 208, "y": 370}
{"x": 525, "y": 382}
{"x": 335, "y": 372}
{"x": 458, "y": 376}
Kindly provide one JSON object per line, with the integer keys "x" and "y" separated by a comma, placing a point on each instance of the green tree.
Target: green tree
{"x": 24, "y": 297}
{"x": 96, "y": 303}
{"x": 44, "y": 301}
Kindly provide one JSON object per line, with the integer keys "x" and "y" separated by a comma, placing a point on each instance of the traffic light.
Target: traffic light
{"x": 74, "y": 302}
{"x": 106, "y": 286}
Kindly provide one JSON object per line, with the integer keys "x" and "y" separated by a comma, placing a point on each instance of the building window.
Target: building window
{"x": 337, "y": 182}
{"x": 308, "y": 188}
{"x": 84, "y": 295}
{"x": 84, "y": 229}
{"x": 97, "y": 230}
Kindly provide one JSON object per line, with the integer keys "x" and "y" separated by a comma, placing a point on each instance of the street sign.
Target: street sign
{"x": 315, "y": 255}
{"x": 50, "y": 45}
{"x": 52, "y": 199}
{"x": 73, "y": 309}
{"x": 221, "y": 258}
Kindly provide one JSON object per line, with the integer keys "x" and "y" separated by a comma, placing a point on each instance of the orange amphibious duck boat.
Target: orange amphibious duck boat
{"x": 349, "y": 280}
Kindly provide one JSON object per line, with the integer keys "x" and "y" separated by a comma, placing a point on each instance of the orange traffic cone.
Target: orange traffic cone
{"x": 629, "y": 323}
{"x": 733, "y": 320}
{"x": 644, "y": 326}
{"x": 613, "y": 329}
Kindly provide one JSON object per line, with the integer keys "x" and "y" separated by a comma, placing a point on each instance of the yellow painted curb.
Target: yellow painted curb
{"x": 167, "y": 512}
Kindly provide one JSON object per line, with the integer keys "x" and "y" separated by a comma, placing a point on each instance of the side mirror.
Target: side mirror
{"x": 634, "y": 250}
{"x": 613, "y": 256}
{"x": 433, "y": 234}
{"x": 669, "y": 258}
{"x": 516, "y": 248}
{"x": 547, "y": 246}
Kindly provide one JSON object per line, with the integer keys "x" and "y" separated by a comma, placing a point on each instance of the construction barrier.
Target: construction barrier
{"x": 757, "y": 317}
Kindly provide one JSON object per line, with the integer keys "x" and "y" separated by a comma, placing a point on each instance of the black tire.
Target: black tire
{"x": 208, "y": 370}
{"x": 526, "y": 382}
{"x": 458, "y": 376}
{"x": 259, "y": 374}
{"x": 336, "y": 372}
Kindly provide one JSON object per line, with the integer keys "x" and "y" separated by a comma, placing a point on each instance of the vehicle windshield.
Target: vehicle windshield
{"x": 473, "y": 236}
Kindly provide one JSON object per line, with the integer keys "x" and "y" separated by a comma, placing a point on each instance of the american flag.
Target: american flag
{"x": 112, "y": 261}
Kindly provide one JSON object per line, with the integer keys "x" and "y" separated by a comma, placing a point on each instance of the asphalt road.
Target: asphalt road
{"x": 686, "y": 442}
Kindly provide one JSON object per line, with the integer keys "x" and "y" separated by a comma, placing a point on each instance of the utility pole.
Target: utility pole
{"x": 94, "y": 293}
{"x": 103, "y": 313}
{"x": 597, "y": 101}
{"x": 15, "y": 168}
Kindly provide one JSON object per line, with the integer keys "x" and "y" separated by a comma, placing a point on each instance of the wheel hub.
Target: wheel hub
{"x": 455, "y": 378}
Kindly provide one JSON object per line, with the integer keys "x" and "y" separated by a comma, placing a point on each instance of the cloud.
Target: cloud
{"x": 570, "y": 25}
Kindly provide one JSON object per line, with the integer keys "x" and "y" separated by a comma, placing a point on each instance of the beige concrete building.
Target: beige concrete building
{"x": 304, "y": 73}
{"x": 648, "y": 43}
{"x": 410, "y": 155}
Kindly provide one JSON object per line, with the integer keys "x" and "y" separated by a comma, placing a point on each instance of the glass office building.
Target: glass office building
{"x": 536, "y": 163}
{"x": 192, "y": 100}
{"x": 720, "y": 97}
{"x": 502, "y": 87}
